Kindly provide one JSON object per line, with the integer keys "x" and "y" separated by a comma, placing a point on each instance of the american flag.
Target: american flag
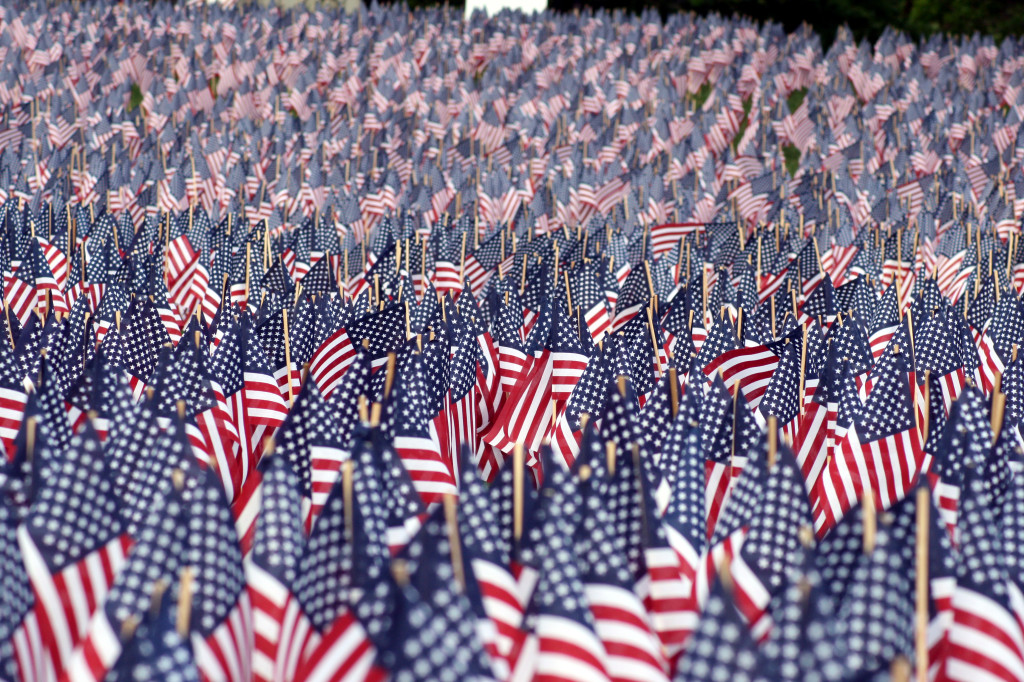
{"x": 721, "y": 645}
{"x": 157, "y": 651}
{"x": 878, "y": 606}
{"x": 963, "y": 443}
{"x": 488, "y": 562}
{"x": 782, "y": 398}
{"x": 409, "y": 422}
{"x": 221, "y": 626}
{"x": 312, "y": 441}
{"x": 13, "y": 397}
{"x": 881, "y": 451}
{"x": 562, "y": 640}
{"x": 73, "y": 547}
{"x": 154, "y": 566}
{"x": 773, "y": 549}
{"x": 247, "y": 385}
{"x": 621, "y": 620}
{"x": 568, "y": 357}
{"x": 403, "y": 505}
{"x": 435, "y": 629}
{"x": 144, "y": 335}
{"x": 390, "y": 254}
{"x": 344, "y": 612}
{"x": 682, "y": 465}
{"x": 799, "y": 645}
{"x": 985, "y": 603}
{"x": 21, "y": 651}
{"x": 271, "y": 569}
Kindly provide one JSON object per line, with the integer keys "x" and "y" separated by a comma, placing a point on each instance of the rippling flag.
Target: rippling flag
{"x": 73, "y": 546}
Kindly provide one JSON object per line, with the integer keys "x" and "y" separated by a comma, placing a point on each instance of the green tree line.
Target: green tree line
{"x": 866, "y": 18}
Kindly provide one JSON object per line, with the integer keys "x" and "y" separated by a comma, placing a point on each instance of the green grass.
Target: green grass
{"x": 792, "y": 155}
{"x": 744, "y": 124}
{"x": 135, "y": 98}
{"x": 702, "y": 94}
{"x": 795, "y": 99}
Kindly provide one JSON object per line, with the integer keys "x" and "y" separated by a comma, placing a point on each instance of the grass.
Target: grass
{"x": 744, "y": 124}
{"x": 795, "y": 99}
{"x": 702, "y": 94}
{"x": 135, "y": 97}
{"x": 792, "y": 155}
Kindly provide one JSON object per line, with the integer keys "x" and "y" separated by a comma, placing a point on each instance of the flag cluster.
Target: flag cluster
{"x": 406, "y": 346}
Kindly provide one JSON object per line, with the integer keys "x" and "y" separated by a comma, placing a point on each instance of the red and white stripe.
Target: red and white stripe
{"x": 343, "y": 652}
{"x": 991, "y": 364}
{"x": 324, "y": 468}
{"x": 512, "y": 366}
{"x": 477, "y": 275}
{"x": 265, "y": 410}
{"x": 665, "y": 237}
{"x": 567, "y": 651}
{"x": 29, "y": 652}
{"x": 985, "y": 640}
{"x": 220, "y": 443}
{"x": 720, "y": 477}
{"x": 950, "y": 385}
{"x": 633, "y": 650}
{"x": 750, "y": 368}
{"x": 446, "y": 277}
{"x": 246, "y": 509}
{"x": 227, "y": 653}
{"x": 527, "y": 413}
{"x": 57, "y": 262}
{"x": 812, "y": 443}
{"x": 888, "y": 465}
{"x": 20, "y": 297}
{"x": 751, "y": 596}
{"x": 668, "y": 591}
{"x": 566, "y": 370}
{"x": 330, "y": 361}
{"x": 422, "y": 458}
{"x": 880, "y": 339}
{"x": 271, "y": 604}
{"x": 500, "y": 595}
{"x": 12, "y": 411}
{"x": 66, "y": 601}
{"x": 98, "y": 652}
{"x": 598, "y": 320}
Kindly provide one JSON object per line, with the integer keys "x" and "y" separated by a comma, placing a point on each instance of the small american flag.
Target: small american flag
{"x": 73, "y": 546}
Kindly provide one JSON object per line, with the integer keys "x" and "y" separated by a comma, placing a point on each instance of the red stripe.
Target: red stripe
{"x": 551, "y": 645}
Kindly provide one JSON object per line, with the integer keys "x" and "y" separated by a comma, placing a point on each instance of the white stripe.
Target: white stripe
{"x": 46, "y": 591}
{"x": 206, "y": 661}
{"x": 247, "y": 517}
{"x": 105, "y": 643}
{"x": 294, "y": 631}
{"x": 341, "y": 650}
{"x": 997, "y": 617}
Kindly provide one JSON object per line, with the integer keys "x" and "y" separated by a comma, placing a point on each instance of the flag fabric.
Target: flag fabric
{"x": 349, "y": 346}
{"x": 72, "y": 546}
{"x": 986, "y": 631}
{"x": 271, "y": 569}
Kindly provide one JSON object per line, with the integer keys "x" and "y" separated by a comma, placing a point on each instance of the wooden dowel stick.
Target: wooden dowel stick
{"x": 452, "y": 521}
{"x": 287, "y": 357}
{"x": 347, "y": 492}
{"x": 924, "y": 506}
{"x": 518, "y": 461}
{"x": 185, "y": 602}
{"x": 867, "y": 502}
